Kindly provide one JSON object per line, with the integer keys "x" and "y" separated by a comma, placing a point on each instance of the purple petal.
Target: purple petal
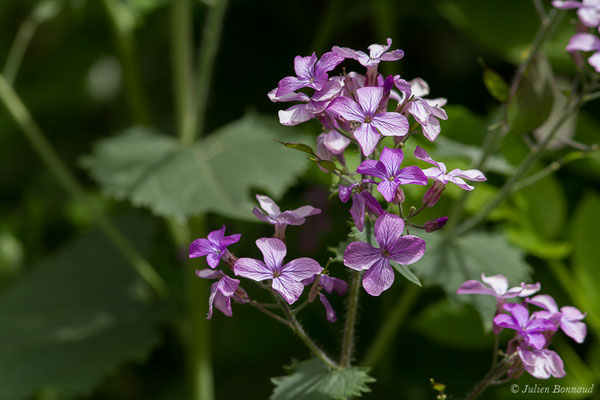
{"x": 335, "y": 142}
{"x": 287, "y": 287}
{"x": 594, "y": 61}
{"x": 422, "y": 155}
{"x": 273, "y": 251}
{"x": 419, "y": 87}
{"x": 357, "y": 211}
{"x": 330, "y": 90}
{"x": 544, "y": 301}
{"x": 566, "y": 4}
{"x": 346, "y": 192}
{"x": 291, "y": 96}
{"x": 376, "y": 50}
{"x": 391, "y": 159}
{"x": 306, "y": 211}
{"x": 541, "y": 324}
{"x": 470, "y": 174}
{"x": 475, "y": 287}
{"x": 506, "y": 321}
{"x": 209, "y": 274}
{"x": 536, "y": 340}
{"x": 290, "y": 84}
{"x": 432, "y": 129}
{"x": 290, "y": 218}
{"x": 301, "y": 268}
{"x": 369, "y": 98}
{"x": 328, "y": 61}
{"x": 213, "y": 259}
{"x": 419, "y": 109}
{"x": 575, "y": 330}
{"x": 367, "y": 137}
{"x": 498, "y": 283}
{"x": 460, "y": 183}
{"x": 529, "y": 289}
{"x": 252, "y": 269}
{"x": 379, "y": 277}
{"x": 229, "y": 240}
{"x": 542, "y": 364}
{"x": 331, "y": 284}
{"x": 589, "y": 16}
{"x": 411, "y": 175}
{"x": 331, "y": 317}
{"x": 388, "y": 229}
{"x": 202, "y": 247}
{"x": 261, "y": 215}
{"x": 519, "y": 312}
{"x": 372, "y": 204}
{"x": 216, "y": 236}
{"x": 403, "y": 86}
{"x": 347, "y": 109}
{"x": 294, "y": 115}
{"x": 393, "y": 55}
{"x": 267, "y": 204}
{"x": 373, "y": 168}
{"x": 584, "y": 42}
{"x": 391, "y": 124}
{"x": 305, "y": 66}
{"x": 408, "y": 250}
{"x": 360, "y": 256}
{"x": 388, "y": 189}
{"x": 348, "y": 52}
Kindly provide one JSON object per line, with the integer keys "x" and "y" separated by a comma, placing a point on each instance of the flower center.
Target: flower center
{"x": 391, "y": 178}
{"x": 385, "y": 253}
{"x": 368, "y": 119}
{"x": 276, "y": 273}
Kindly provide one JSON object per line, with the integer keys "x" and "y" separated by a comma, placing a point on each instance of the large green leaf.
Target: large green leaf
{"x": 313, "y": 380}
{"x": 216, "y": 174}
{"x": 450, "y": 261}
{"x": 74, "y": 319}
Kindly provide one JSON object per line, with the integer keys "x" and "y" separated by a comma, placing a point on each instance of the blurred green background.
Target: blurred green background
{"x": 75, "y": 320}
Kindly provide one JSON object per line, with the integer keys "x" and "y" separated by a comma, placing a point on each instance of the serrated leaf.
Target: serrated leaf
{"x": 495, "y": 84}
{"x": 297, "y": 146}
{"x": 313, "y": 380}
{"x": 533, "y": 100}
{"x": 407, "y": 273}
{"x": 214, "y": 175}
{"x": 450, "y": 261}
{"x": 74, "y": 318}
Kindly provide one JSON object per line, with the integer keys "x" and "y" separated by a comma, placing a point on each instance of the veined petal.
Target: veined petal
{"x": 411, "y": 175}
{"x": 213, "y": 259}
{"x": 576, "y": 330}
{"x": 267, "y": 204}
{"x": 209, "y": 274}
{"x": 367, "y": 137}
{"x": 422, "y": 155}
{"x": 419, "y": 109}
{"x": 306, "y": 211}
{"x": 544, "y": 301}
{"x": 287, "y": 287}
{"x": 346, "y": 192}
{"x": 379, "y": 277}
{"x": 541, "y": 325}
{"x": 202, "y": 247}
{"x": 229, "y": 240}
{"x": 301, "y": 268}
{"x": 541, "y": 364}
{"x": 388, "y": 229}
{"x": 305, "y": 66}
{"x": 328, "y": 61}
{"x": 529, "y": 289}
{"x": 335, "y": 142}
{"x": 371, "y": 203}
{"x": 369, "y": 98}
{"x": 376, "y": 50}
{"x": 475, "y": 287}
{"x": 584, "y": 42}
{"x": 460, "y": 182}
{"x": 391, "y": 124}
{"x": 216, "y": 236}
{"x": 347, "y": 52}
{"x": 357, "y": 211}
{"x": 393, "y": 55}
{"x": 291, "y": 96}
{"x": 391, "y": 159}
{"x": 432, "y": 129}
{"x": 294, "y": 115}
{"x": 408, "y": 249}
{"x": 290, "y": 84}
{"x": 347, "y": 109}
{"x": 330, "y": 312}
{"x": 331, "y": 284}
{"x": 519, "y": 313}
{"x": 419, "y": 87}
{"x": 594, "y": 61}
{"x": 388, "y": 189}
{"x": 470, "y": 174}
{"x": 536, "y": 340}
{"x": 261, "y": 215}
{"x": 498, "y": 283}
{"x": 506, "y": 321}
{"x": 373, "y": 168}
{"x": 252, "y": 269}
{"x": 273, "y": 251}
{"x": 360, "y": 256}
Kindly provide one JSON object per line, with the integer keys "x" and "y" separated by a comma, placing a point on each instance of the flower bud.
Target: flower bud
{"x": 398, "y": 197}
{"x": 433, "y": 194}
{"x": 435, "y": 224}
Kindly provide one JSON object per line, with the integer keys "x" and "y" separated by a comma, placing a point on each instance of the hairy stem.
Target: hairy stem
{"x": 61, "y": 172}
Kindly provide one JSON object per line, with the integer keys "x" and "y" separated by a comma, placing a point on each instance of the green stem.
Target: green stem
{"x": 385, "y": 336}
{"x": 491, "y": 378}
{"x": 207, "y": 55}
{"x": 33, "y": 133}
{"x": 122, "y": 29}
{"x": 510, "y": 184}
{"x": 183, "y": 79}
{"x": 18, "y": 48}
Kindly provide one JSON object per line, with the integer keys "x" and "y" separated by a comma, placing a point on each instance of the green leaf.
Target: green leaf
{"x": 447, "y": 148}
{"x": 450, "y": 261}
{"x": 297, "y": 146}
{"x": 534, "y": 97}
{"x": 328, "y": 165}
{"x": 407, "y": 273}
{"x": 74, "y": 318}
{"x": 541, "y": 200}
{"x": 214, "y": 175}
{"x": 313, "y": 380}
{"x": 495, "y": 84}
{"x": 532, "y": 243}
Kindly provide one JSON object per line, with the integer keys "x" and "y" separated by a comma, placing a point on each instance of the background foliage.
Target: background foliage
{"x": 77, "y": 323}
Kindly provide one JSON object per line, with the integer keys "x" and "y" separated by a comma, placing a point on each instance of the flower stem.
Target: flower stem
{"x": 491, "y": 378}
{"x": 207, "y": 55}
{"x": 57, "y": 167}
{"x": 381, "y": 344}
{"x": 18, "y": 48}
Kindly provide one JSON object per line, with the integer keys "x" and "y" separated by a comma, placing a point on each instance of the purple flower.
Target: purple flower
{"x": 330, "y": 144}
{"x": 542, "y": 364}
{"x": 588, "y": 10}
{"x": 567, "y": 318}
{"x": 329, "y": 284}
{"x": 440, "y": 174}
{"x": 404, "y": 250}
{"x": 530, "y": 330}
{"x": 310, "y": 73}
{"x": 377, "y": 53}
{"x": 587, "y": 42}
{"x": 392, "y": 176}
{"x": 372, "y": 123}
{"x": 273, "y": 215}
{"x": 222, "y": 291}
{"x": 362, "y": 201}
{"x": 215, "y": 247}
{"x": 287, "y": 279}
{"x": 497, "y": 286}
{"x": 435, "y": 224}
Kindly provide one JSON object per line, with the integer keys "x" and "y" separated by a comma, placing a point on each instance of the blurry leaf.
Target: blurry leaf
{"x": 74, "y": 318}
{"x": 452, "y": 324}
{"x": 532, "y": 243}
{"x": 584, "y": 233}
{"x": 495, "y": 84}
{"x": 11, "y": 254}
{"x": 534, "y": 97}
{"x": 447, "y": 148}
{"x": 298, "y": 146}
{"x": 328, "y": 165}
{"x": 214, "y": 175}
{"x": 545, "y": 207}
{"x": 561, "y": 103}
{"x": 46, "y": 10}
{"x": 450, "y": 261}
{"x": 463, "y": 126}
{"x": 483, "y": 194}
{"x": 313, "y": 380}
{"x": 407, "y": 273}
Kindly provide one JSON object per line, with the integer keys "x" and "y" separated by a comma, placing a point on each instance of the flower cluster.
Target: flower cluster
{"x": 533, "y": 331}
{"x": 588, "y": 12}
{"x": 365, "y": 109}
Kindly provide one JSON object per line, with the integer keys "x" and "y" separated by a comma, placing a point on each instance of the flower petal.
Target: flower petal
{"x": 273, "y": 251}
{"x": 330, "y": 312}
{"x": 391, "y": 124}
{"x": 388, "y": 229}
{"x": 422, "y": 155}
{"x": 261, "y": 215}
{"x": 346, "y": 192}
{"x": 290, "y": 84}
{"x": 506, "y": 321}
{"x": 360, "y": 256}
{"x": 367, "y": 137}
{"x": 347, "y": 109}
{"x": 209, "y": 274}
{"x": 475, "y": 287}
{"x": 498, "y": 283}
{"x": 411, "y": 175}
{"x": 267, "y": 204}
{"x": 576, "y": 330}
{"x": 470, "y": 174}
{"x": 202, "y": 247}
{"x": 519, "y": 312}
{"x": 544, "y": 301}
{"x": 388, "y": 189}
{"x": 379, "y": 277}
{"x": 305, "y": 66}
{"x": 294, "y": 115}
{"x": 252, "y": 269}
{"x": 391, "y": 160}
{"x": 301, "y": 268}
{"x": 306, "y": 211}
{"x": 374, "y": 168}
{"x": 357, "y": 210}
{"x": 407, "y": 250}
{"x": 328, "y": 61}
{"x": 584, "y": 42}
{"x": 287, "y": 287}
{"x": 369, "y": 98}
